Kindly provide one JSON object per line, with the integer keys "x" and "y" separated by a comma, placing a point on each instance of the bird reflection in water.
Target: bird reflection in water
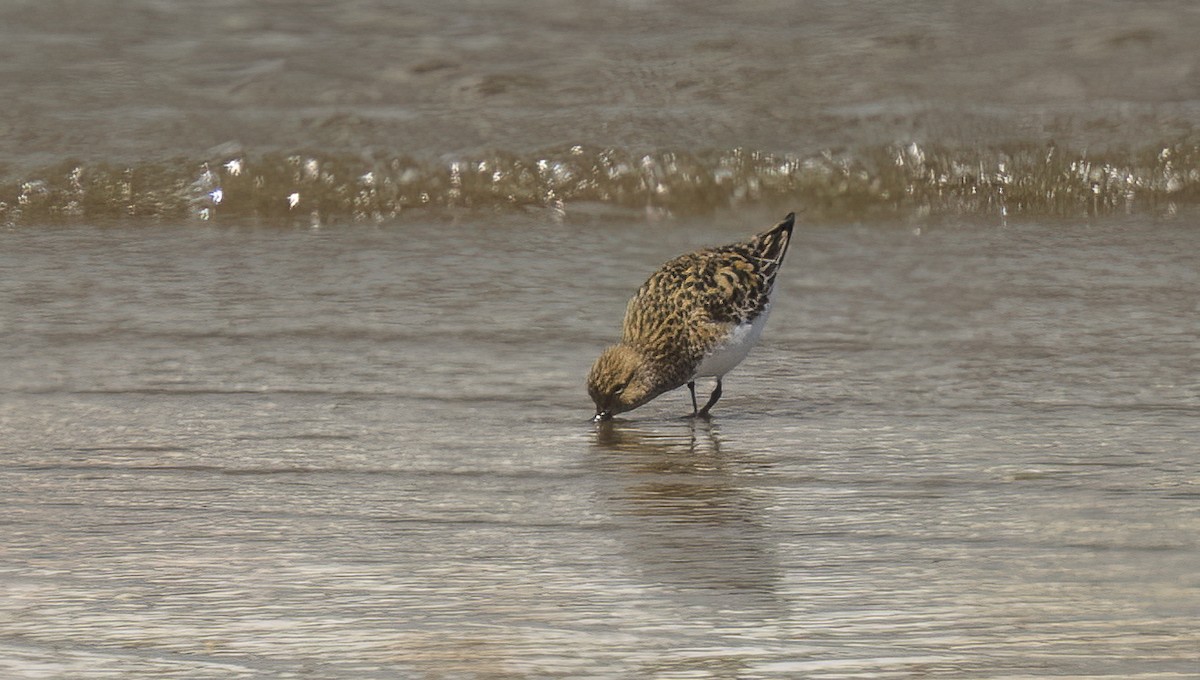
{"x": 695, "y": 520}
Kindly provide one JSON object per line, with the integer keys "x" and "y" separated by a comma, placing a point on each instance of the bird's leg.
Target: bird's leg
{"x": 716, "y": 394}
{"x": 692, "y": 389}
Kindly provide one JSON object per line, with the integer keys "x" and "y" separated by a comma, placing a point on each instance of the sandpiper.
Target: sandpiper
{"x": 697, "y": 316}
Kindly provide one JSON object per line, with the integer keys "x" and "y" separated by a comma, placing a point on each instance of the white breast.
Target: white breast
{"x": 729, "y": 353}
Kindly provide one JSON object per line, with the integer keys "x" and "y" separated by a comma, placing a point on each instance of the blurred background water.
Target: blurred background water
{"x": 297, "y": 299}
{"x": 367, "y": 109}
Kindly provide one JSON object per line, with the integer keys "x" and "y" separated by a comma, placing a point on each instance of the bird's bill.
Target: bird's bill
{"x": 602, "y": 416}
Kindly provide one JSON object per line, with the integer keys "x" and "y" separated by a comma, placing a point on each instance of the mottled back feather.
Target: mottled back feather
{"x": 697, "y": 298}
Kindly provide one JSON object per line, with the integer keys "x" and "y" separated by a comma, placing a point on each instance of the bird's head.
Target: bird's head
{"x": 620, "y": 381}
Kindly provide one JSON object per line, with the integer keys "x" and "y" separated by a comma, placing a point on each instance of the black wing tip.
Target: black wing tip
{"x": 784, "y": 226}
{"x": 773, "y": 243}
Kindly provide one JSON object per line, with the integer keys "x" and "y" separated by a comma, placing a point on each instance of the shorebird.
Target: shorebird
{"x": 697, "y": 316}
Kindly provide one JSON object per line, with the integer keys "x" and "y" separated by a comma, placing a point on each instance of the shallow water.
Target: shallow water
{"x": 963, "y": 449}
{"x": 296, "y": 302}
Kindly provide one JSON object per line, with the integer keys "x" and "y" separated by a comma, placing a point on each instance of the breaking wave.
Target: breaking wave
{"x": 900, "y": 179}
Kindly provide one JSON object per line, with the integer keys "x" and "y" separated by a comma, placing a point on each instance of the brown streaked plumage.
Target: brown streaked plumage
{"x": 698, "y": 315}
